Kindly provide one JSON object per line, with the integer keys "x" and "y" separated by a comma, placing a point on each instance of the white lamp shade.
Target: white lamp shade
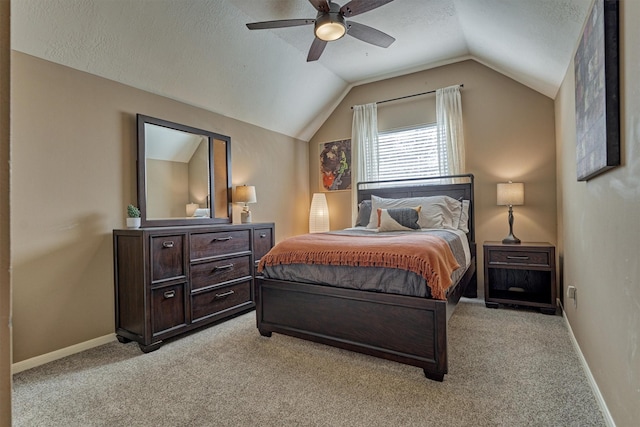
{"x": 319, "y": 214}
{"x": 510, "y": 193}
{"x": 245, "y": 194}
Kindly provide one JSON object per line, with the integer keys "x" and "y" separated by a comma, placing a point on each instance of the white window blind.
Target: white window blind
{"x": 408, "y": 152}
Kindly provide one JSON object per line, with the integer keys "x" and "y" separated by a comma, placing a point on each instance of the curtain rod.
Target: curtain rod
{"x": 408, "y": 96}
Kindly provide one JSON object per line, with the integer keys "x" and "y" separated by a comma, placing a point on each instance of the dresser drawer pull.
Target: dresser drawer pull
{"x": 224, "y": 294}
{"x": 222, "y": 239}
{"x": 170, "y": 294}
{"x": 168, "y": 244}
{"x": 522, "y": 258}
{"x": 222, "y": 267}
{"x": 263, "y": 235}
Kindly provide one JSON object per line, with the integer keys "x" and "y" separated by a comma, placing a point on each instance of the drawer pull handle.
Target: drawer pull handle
{"x": 222, "y": 267}
{"x": 222, "y": 239}
{"x": 263, "y": 235}
{"x": 224, "y": 294}
{"x": 170, "y": 294}
{"x": 168, "y": 244}
{"x": 523, "y": 258}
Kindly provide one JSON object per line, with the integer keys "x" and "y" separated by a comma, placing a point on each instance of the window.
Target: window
{"x": 408, "y": 153}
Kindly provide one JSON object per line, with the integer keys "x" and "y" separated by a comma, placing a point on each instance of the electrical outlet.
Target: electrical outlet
{"x": 572, "y": 293}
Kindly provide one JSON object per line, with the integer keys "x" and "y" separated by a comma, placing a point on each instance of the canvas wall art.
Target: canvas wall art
{"x": 597, "y": 92}
{"x": 335, "y": 165}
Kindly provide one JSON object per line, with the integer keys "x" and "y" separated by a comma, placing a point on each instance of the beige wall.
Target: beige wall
{"x": 600, "y": 239}
{"x": 74, "y": 156}
{"x": 509, "y": 134}
{"x": 5, "y": 248}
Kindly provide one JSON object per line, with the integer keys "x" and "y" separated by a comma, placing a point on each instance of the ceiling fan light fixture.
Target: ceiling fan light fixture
{"x": 330, "y": 27}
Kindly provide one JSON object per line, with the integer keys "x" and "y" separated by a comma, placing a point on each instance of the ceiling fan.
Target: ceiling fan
{"x": 330, "y": 24}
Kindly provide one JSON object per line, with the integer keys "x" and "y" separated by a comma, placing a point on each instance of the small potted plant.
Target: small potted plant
{"x": 133, "y": 217}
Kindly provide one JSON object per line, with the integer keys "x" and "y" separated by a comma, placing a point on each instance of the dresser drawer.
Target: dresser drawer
{"x": 262, "y": 239}
{"x": 205, "y": 245}
{"x": 168, "y": 308}
{"x": 167, "y": 257}
{"x": 519, "y": 257}
{"x": 219, "y": 299}
{"x": 214, "y": 272}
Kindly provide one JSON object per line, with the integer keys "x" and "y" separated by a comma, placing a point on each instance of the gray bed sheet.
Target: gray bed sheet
{"x": 377, "y": 279}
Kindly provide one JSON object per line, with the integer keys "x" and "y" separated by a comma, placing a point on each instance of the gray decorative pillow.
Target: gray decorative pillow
{"x": 398, "y": 219}
{"x": 364, "y": 213}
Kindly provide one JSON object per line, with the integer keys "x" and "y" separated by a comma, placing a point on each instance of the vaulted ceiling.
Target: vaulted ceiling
{"x": 200, "y": 51}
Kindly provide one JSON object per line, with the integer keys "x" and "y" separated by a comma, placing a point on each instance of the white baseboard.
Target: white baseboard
{"x": 608, "y": 419}
{"x": 59, "y": 354}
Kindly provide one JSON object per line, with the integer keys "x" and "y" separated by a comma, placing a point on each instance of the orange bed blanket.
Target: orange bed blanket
{"x": 426, "y": 255}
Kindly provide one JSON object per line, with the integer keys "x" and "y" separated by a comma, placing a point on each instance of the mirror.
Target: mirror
{"x": 184, "y": 174}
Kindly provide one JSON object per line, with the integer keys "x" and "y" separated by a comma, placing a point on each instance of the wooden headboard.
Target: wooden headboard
{"x": 459, "y": 187}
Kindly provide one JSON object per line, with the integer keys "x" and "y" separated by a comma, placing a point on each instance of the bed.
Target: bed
{"x": 407, "y": 329}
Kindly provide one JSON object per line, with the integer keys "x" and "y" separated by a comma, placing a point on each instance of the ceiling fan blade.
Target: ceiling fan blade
{"x": 317, "y": 47}
{"x": 356, "y": 7}
{"x": 279, "y": 24}
{"x": 320, "y": 5}
{"x": 369, "y": 35}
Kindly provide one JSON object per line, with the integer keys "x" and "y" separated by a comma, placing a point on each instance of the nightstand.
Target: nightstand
{"x": 520, "y": 274}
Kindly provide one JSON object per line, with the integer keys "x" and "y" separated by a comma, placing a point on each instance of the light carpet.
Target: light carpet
{"x": 507, "y": 367}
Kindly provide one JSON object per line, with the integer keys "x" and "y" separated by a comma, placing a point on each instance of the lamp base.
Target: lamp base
{"x": 245, "y": 217}
{"x": 511, "y": 240}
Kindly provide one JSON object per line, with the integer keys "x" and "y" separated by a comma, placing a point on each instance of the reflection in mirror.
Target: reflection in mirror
{"x": 185, "y": 175}
{"x": 177, "y": 165}
{"x": 221, "y": 188}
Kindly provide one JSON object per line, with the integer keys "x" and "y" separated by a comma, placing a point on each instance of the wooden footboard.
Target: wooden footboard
{"x": 408, "y": 330}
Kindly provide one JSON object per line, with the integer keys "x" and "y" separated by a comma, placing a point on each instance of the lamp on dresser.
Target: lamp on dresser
{"x": 510, "y": 194}
{"x": 245, "y": 194}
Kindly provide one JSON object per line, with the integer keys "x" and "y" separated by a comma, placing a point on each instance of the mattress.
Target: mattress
{"x": 375, "y": 279}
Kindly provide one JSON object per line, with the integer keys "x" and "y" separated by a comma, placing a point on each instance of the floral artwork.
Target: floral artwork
{"x": 335, "y": 165}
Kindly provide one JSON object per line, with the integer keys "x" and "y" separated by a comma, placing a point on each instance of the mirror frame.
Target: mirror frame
{"x": 142, "y": 120}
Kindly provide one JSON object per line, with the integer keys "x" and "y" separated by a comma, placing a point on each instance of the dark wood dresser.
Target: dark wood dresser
{"x": 170, "y": 280}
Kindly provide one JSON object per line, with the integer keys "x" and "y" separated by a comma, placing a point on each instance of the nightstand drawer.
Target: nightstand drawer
{"x": 519, "y": 257}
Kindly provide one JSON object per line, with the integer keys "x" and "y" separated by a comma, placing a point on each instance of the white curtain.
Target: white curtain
{"x": 450, "y": 134}
{"x": 364, "y": 150}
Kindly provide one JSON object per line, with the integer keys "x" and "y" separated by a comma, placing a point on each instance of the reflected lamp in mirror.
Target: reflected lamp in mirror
{"x": 246, "y": 194}
{"x": 191, "y": 209}
{"x": 510, "y": 194}
{"x": 319, "y": 214}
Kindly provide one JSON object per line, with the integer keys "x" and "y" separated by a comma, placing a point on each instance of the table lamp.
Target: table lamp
{"x": 510, "y": 194}
{"x": 245, "y": 194}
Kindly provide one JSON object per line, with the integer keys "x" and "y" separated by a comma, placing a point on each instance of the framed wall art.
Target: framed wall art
{"x": 598, "y": 92}
{"x": 335, "y": 165}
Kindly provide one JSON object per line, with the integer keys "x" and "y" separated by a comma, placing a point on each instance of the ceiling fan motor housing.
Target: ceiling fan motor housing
{"x": 330, "y": 25}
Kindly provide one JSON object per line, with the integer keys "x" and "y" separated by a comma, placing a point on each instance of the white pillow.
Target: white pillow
{"x": 464, "y": 217}
{"x": 436, "y": 211}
